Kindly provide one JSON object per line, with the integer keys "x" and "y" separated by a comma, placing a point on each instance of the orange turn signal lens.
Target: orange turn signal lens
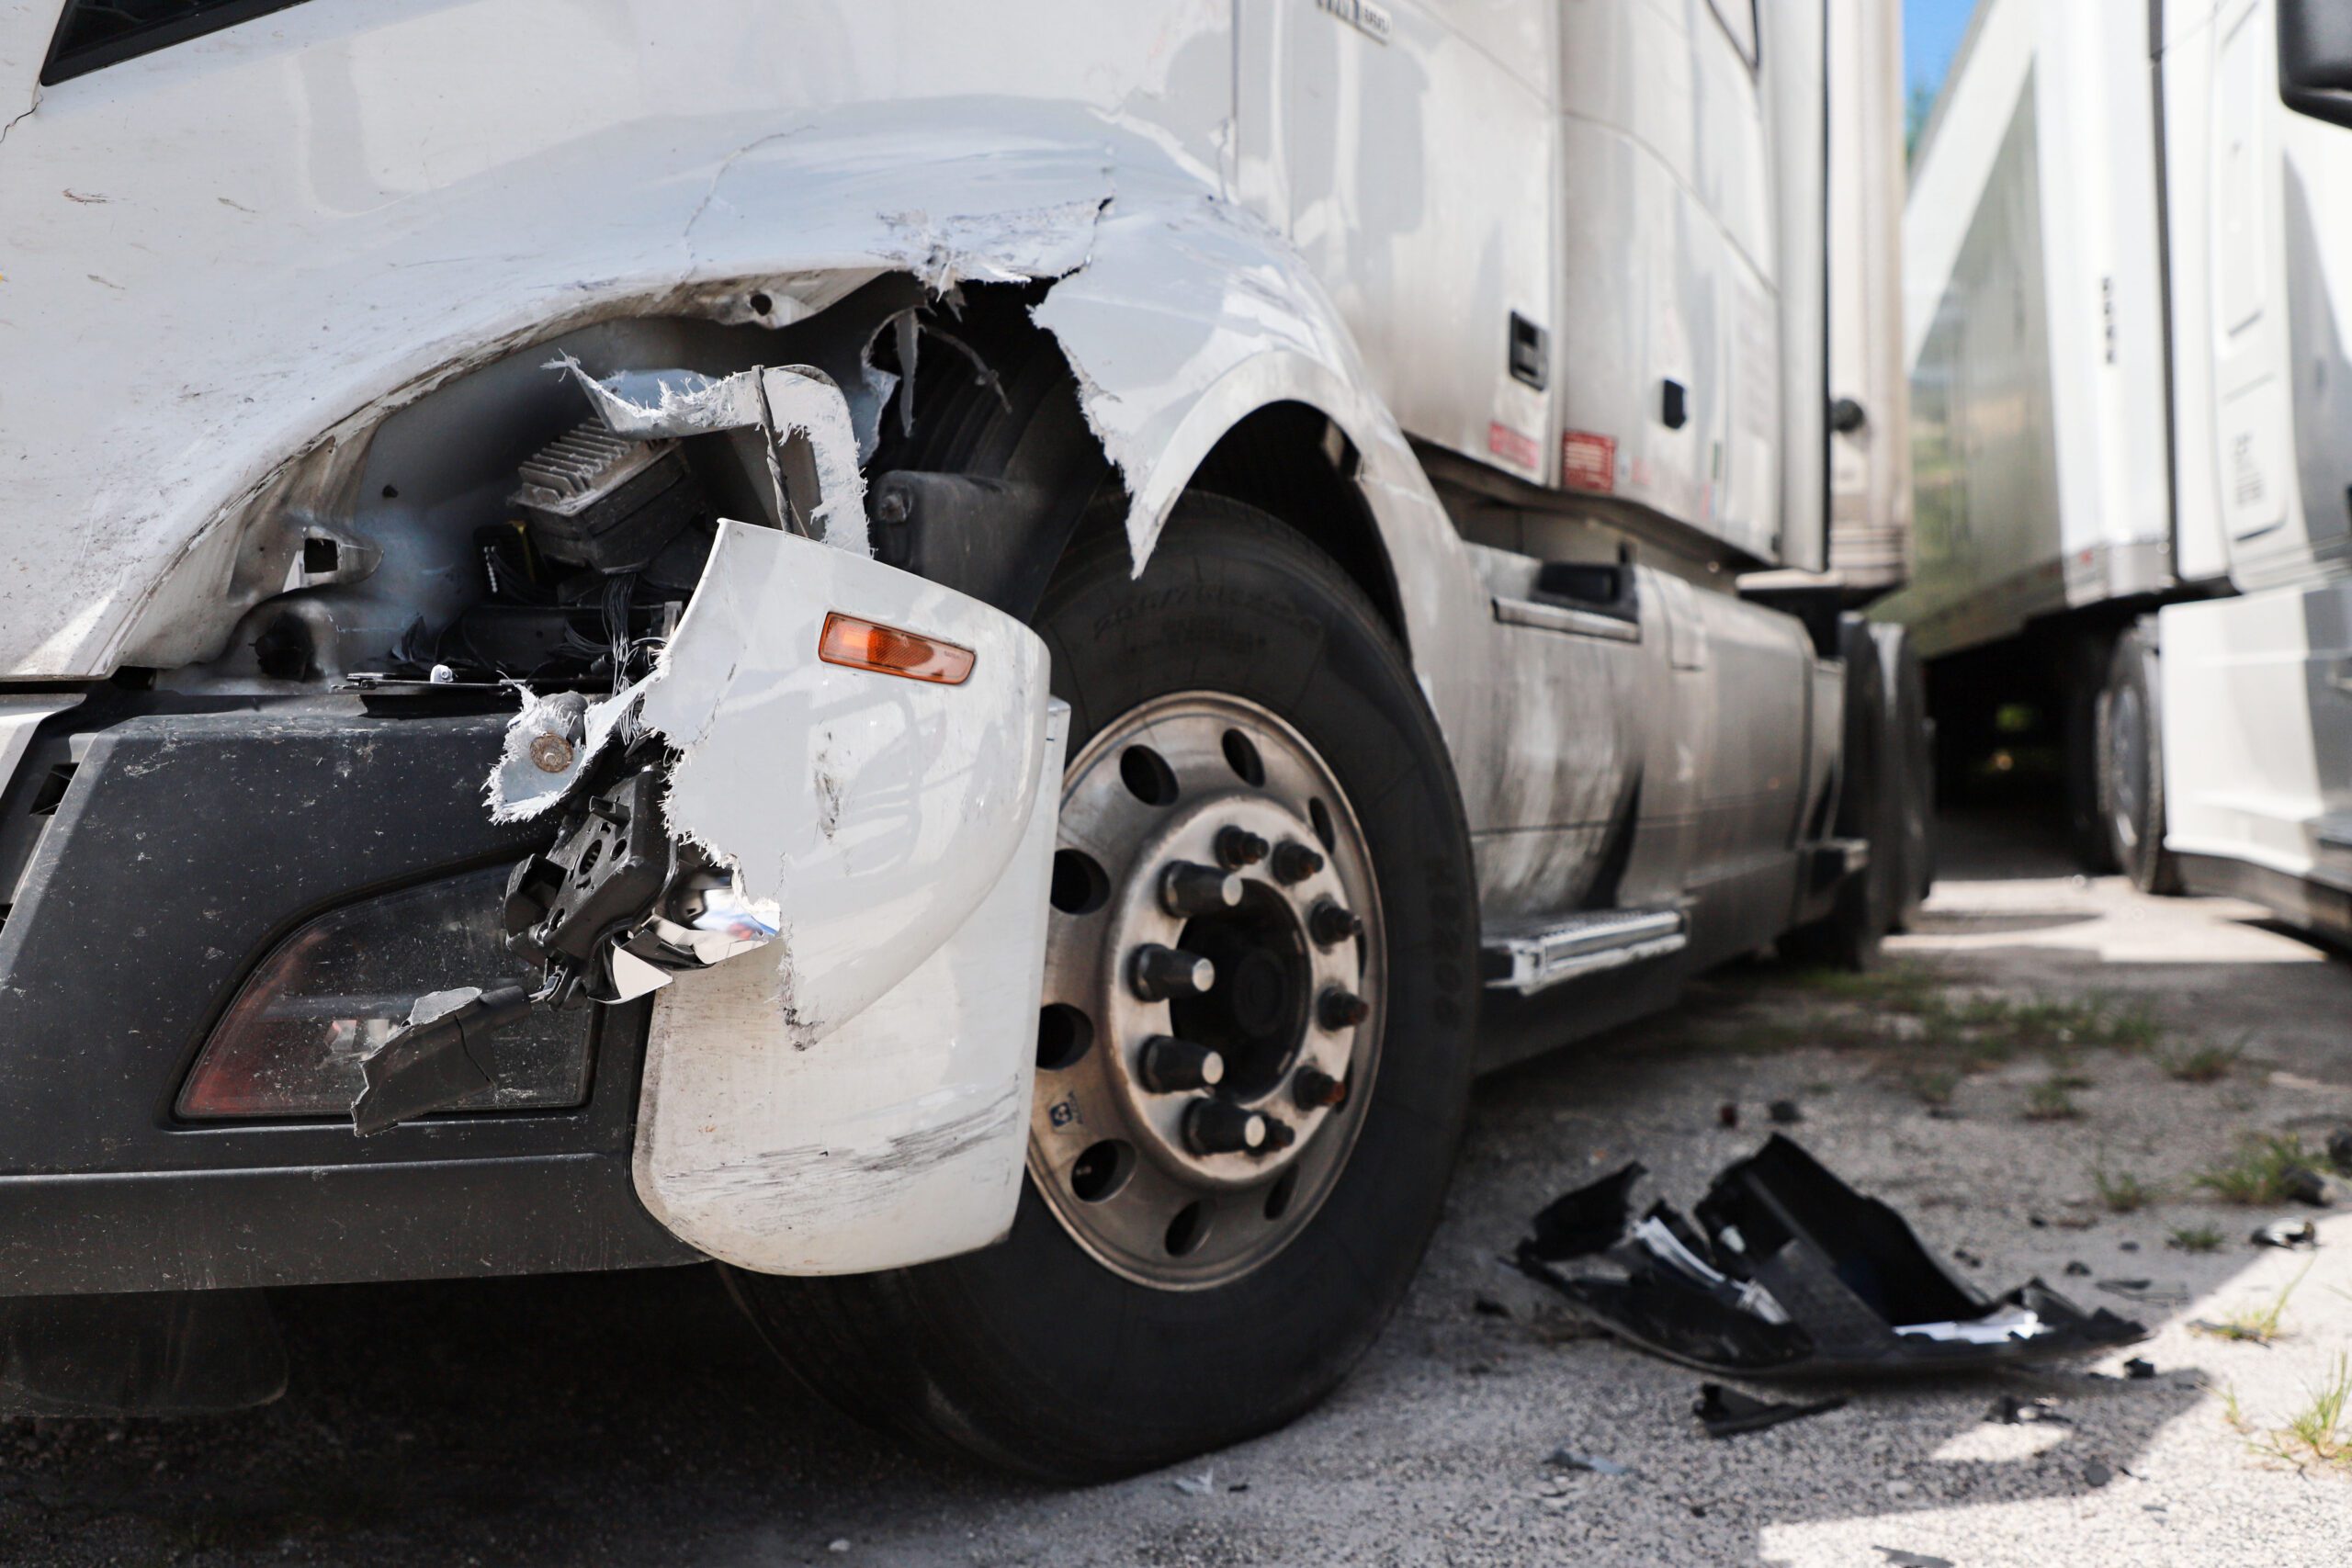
{"x": 863, "y": 645}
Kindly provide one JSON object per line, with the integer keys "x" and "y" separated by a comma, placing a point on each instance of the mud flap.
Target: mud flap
{"x": 854, "y": 1094}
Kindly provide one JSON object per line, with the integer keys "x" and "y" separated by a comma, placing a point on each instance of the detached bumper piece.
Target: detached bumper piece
{"x": 1789, "y": 1272}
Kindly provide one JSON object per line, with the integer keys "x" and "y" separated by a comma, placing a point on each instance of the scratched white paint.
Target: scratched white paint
{"x": 792, "y": 1144}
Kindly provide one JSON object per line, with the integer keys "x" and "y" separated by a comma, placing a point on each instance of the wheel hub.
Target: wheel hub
{"x": 1213, "y": 987}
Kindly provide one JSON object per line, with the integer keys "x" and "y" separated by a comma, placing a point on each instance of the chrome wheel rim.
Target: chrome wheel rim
{"x": 1153, "y": 1172}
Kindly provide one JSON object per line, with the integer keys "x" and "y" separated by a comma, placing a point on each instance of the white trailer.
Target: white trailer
{"x": 2128, "y": 247}
{"x": 1107, "y": 601}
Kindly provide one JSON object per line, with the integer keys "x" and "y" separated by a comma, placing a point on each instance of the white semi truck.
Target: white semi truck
{"x": 966, "y": 658}
{"x": 2128, "y": 255}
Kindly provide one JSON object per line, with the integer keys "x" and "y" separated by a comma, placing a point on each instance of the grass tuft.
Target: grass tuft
{"x": 1934, "y": 1086}
{"x": 2262, "y": 1171}
{"x": 2050, "y": 1101}
{"x": 2123, "y": 1193}
{"x": 2316, "y": 1432}
{"x": 2202, "y": 1064}
{"x": 2196, "y": 1239}
{"x": 2254, "y": 1325}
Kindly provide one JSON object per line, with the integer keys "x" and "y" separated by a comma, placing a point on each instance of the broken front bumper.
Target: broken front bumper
{"x": 161, "y": 850}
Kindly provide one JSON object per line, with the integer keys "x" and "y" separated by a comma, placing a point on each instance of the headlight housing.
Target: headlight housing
{"x": 331, "y": 992}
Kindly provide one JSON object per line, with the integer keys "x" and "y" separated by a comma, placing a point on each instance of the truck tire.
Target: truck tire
{"x": 2131, "y": 765}
{"x": 1152, "y": 1300}
{"x": 2086, "y": 669}
{"x": 1911, "y": 775}
{"x": 1849, "y": 936}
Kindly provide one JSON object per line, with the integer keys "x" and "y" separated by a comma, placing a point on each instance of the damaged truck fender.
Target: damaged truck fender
{"x": 854, "y": 1094}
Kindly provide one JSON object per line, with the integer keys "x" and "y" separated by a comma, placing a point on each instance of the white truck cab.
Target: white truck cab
{"x": 966, "y": 658}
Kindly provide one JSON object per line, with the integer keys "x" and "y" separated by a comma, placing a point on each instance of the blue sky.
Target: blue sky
{"x": 1931, "y": 33}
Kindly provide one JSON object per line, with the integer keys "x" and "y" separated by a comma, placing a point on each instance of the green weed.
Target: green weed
{"x": 2049, "y": 1101}
{"x": 2262, "y": 1171}
{"x": 2123, "y": 1193}
{"x": 2254, "y": 1325}
{"x": 2196, "y": 1239}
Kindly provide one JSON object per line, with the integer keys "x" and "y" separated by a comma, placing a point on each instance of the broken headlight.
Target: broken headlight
{"x": 331, "y": 993}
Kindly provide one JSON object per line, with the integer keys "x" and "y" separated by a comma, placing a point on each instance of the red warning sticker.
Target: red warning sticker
{"x": 1519, "y": 450}
{"x": 1589, "y": 462}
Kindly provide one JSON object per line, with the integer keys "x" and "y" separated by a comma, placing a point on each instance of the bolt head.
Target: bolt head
{"x": 1313, "y": 1088}
{"x": 1294, "y": 863}
{"x": 1336, "y": 1010}
{"x": 550, "y": 753}
{"x": 1237, "y": 847}
{"x": 1330, "y": 924}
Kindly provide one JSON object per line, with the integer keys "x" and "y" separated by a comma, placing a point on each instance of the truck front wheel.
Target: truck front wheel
{"x": 1253, "y": 1048}
{"x": 2131, "y": 764}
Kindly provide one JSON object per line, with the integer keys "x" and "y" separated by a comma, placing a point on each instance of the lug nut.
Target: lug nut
{"x": 1221, "y": 1127}
{"x": 1158, "y": 972}
{"x": 1330, "y": 924}
{"x": 1314, "y": 1089}
{"x": 1172, "y": 1066}
{"x": 1336, "y": 1009}
{"x": 1237, "y": 847}
{"x": 1186, "y": 889}
{"x": 1280, "y": 1135}
{"x": 1293, "y": 862}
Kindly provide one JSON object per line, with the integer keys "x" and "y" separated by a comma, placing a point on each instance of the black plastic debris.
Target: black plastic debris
{"x": 1565, "y": 1459}
{"x": 2288, "y": 1233}
{"x": 2155, "y": 1293}
{"x": 2076, "y": 1269}
{"x": 1586, "y": 1219}
{"x": 1784, "y": 1112}
{"x": 2010, "y": 1411}
{"x": 2317, "y": 1188}
{"x": 1726, "y": 1412}
{"x": 1787, "y": 1271}
{"x": 2139, "y": 1367}
{"x": 1487, "y": 1307}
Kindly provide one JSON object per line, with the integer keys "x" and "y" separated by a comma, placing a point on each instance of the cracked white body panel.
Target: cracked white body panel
{"x": 854, "y": 1095}
{"x": 370, "y": 216}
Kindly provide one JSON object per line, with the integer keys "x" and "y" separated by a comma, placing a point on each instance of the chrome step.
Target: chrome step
{"x": 1529, "y": 956}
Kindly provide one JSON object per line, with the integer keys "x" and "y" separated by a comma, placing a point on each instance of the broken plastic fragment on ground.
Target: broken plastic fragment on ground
{"x": 1791, "y": 1272}
{"x": 1898, "y": 1558}
{"x": 1565, "y": 1459}
{"x": 2287, "y": 1232}
{"x": 2009, "y": 1410}
{"x": 1727, "y": 1413}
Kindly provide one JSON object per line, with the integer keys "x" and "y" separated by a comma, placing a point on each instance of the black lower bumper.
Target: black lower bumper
{"x": 183, "y": 847}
